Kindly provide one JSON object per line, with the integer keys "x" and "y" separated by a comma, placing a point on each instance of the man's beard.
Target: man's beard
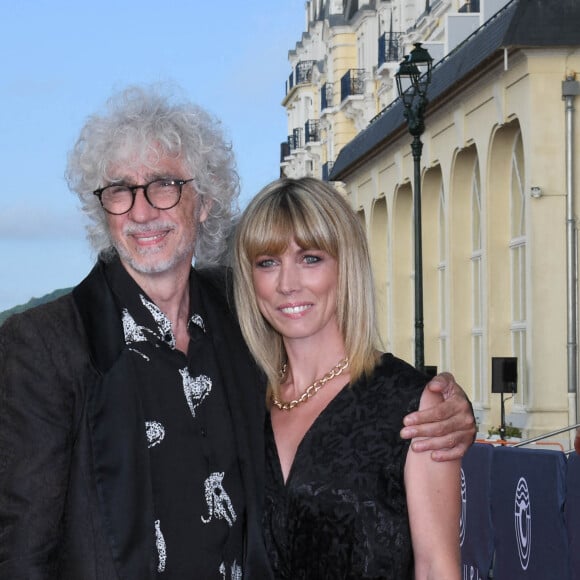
{"x": 142, "y": 260}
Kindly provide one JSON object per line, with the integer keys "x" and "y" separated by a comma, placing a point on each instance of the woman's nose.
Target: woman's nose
{"x": 289, "y": 279}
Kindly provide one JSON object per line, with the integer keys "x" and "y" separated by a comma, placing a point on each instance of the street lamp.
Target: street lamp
{"x": 413, "y": 78}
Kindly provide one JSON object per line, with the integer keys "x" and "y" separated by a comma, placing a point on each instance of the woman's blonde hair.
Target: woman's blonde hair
{"x": 316, "y": 216}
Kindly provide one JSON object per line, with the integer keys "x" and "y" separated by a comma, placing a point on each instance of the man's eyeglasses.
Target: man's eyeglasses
{"x": 118, "y": 199}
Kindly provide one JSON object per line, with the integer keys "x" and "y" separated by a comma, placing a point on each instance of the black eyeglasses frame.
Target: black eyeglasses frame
{"x": 133, "y": 189}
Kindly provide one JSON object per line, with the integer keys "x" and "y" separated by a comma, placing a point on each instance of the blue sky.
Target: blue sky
{"x": 61, "y": 61}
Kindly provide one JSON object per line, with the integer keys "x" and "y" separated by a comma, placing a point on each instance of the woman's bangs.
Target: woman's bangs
{"x": 280, "y": 223}
{"x": 311, "y": 232}
{"x": 270, "y": 236}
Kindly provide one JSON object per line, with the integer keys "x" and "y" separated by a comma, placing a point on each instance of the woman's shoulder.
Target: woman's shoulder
{"x": 395, "y": 379}
{"x": 391, "y": 367}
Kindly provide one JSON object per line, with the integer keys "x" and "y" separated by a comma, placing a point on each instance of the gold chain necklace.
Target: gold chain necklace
{"x": 312, "y": 389}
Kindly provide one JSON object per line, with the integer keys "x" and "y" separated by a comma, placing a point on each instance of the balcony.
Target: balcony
{"x": 326, "y": 96}
{"x": 311, "y": 131}
{"x": 303, "y": 71}
{"x": 301, "y": 74}
{"x": 390, "y": 47}
{"x": 352, "y": 83}
{"x": 290, "y": 83}
{"x": 295, "y": 140}
{"x": 284, "y": 150}
{"x": 470, "y": 6}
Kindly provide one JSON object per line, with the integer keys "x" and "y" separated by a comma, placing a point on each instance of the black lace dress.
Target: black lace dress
{"x": 343, "y": 512}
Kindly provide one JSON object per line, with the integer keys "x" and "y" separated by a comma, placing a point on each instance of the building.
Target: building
{"x": 498, "y": 174}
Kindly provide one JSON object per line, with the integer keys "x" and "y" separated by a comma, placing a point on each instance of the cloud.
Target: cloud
{"x": 40, "y": 222}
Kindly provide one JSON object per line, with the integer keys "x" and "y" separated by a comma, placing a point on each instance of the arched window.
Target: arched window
{"x": 477, "y": 288}
{"x": 518, "y": 265}
{"x": 442, "y": 274}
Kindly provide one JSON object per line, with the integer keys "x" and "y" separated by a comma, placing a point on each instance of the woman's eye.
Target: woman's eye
{"x": 310, "y": 259}
{"x": 265, "y": 263}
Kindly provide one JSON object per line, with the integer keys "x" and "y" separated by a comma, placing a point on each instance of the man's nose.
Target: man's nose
{"x": 142, "y": 210}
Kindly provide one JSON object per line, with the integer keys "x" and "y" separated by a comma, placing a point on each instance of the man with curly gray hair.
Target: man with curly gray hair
{"x": 141, "y": 127}
{"x": 130, "y": 423}
{"x": 131, "y": 412}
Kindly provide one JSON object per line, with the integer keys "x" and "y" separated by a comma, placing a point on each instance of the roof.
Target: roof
{"x": 520, "y": 23}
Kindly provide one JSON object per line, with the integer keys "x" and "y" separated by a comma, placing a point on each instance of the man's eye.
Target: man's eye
{"x": 166, "y": 183}
{"x": 114, "y": 190}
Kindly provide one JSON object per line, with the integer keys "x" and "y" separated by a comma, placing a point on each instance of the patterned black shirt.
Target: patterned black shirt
{"x": 197, "y": 487}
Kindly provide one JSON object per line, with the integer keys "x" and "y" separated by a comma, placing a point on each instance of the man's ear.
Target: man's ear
{"x": 204, "y": 209}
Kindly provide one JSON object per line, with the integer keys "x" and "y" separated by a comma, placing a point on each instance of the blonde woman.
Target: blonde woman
{"x": 346, "y": 497}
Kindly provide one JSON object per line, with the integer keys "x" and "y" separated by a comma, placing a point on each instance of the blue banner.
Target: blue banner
{"x": 527, "y": 507}
{"x": 572, "y": 512}
{"x": 476, "y": 533}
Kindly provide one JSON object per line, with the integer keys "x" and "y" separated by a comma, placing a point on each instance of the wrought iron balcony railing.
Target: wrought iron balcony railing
{"x": 326, "y": 96}
{"x": 301, "y": 74}
{"x": 284, "y": 150}
{"x": 352, "y": 83}
{"x": 303, "y": 71}
{"x": 311, "y": 131}
{"x": 295, "y": 140}
{"x": 390, "y": 47}
{"x": 290, "y": 83}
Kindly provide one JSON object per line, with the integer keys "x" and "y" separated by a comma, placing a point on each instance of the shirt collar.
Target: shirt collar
{"x": 142, "y": 318}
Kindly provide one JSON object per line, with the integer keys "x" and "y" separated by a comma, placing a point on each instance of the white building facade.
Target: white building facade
{"x": 498, "y": 178}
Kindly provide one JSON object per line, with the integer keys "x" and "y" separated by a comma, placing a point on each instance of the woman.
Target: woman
{"x": 345, "y": 495}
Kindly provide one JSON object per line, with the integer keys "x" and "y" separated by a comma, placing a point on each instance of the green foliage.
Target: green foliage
{"x": 510, "y": 431}
{"x": 33, "y": 302}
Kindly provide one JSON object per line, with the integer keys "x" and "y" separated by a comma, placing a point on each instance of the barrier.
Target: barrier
{"x": 476, "y": 534}
{"x": 516, "y": 499}
{"x": 572, "y": 513}
{"x": 527, "y": 509}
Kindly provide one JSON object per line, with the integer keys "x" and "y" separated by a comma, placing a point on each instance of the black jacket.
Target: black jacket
{"x": 75, "y": 490}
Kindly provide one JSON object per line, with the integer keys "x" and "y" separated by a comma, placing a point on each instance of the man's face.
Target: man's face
{"x": 152, "y": 241}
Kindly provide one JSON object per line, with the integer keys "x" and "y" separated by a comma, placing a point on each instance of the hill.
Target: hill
{"x": 33, "y": 302}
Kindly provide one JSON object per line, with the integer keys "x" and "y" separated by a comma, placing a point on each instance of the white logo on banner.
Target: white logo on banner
{"x": 463, "y": 518}
{"x": 523, "y": 522}
{"x": 470, "y": 573}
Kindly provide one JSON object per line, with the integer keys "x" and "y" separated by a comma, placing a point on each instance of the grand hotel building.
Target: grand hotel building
{"x": 499, "y": 180}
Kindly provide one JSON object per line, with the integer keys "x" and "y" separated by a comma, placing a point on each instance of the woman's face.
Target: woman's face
{"x": 296, "y": 292}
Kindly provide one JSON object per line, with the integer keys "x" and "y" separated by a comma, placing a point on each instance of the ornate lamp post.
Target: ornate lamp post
{"x": 413, "y": 78}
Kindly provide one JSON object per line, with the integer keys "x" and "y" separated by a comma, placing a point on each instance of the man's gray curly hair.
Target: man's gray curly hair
{"x": 139, "y": 122}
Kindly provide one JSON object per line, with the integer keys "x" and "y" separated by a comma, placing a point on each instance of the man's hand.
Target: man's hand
{"x": 448, "y": 428}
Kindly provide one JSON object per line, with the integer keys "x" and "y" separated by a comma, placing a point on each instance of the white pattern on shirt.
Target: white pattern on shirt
{"x": 161, "y": 549}
{"x": 198, "y": 321}
{"x": 195, "y": 389}
{"x": 163, "y": 323}
{"x": 135, "y": 333}
{"x": 155, "y": 432}
{"x": 235, "y": 571}
{"x": 218, "y": 501}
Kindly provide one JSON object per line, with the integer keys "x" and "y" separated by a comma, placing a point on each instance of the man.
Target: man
{"x": 131, "y": 412}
